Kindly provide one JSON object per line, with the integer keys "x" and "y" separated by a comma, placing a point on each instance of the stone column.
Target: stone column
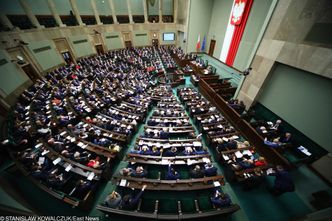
{"x": 175, "y": 11}
{"x": 115, "y": 20}
{"x": 160, "y": 11}
{"x": 55, "y": 14}
{"x": 76, "y": 12}
{"x": 95, "y": 11}
{"x": 6, "y": 22}
{"x": 146, "y": 20}
{"x": 129, "y": 12}
{"x": 27, "y": 9}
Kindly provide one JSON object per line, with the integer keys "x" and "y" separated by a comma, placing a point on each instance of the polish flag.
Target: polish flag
{"x": 198, "y": 44}
{"x": 234, "y": 31}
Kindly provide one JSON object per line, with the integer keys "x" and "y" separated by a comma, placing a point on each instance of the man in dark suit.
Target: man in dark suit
{"x": 210, "y": 170}
{"x": 197, "y": 172}
{"x": 172, "y": 174}
{"x": 130, "y": 201}
{"x": 283, "y": 182}
{"x": 221, "y": 199}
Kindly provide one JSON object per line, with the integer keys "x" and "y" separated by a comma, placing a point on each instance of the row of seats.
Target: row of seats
{"x": 61, "y": 116}
{"x": 165, "y": 163}
{"x": 235, "y": 153}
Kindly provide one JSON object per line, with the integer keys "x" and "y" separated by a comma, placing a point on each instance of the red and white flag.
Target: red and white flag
{"x": 234, "y": 31}
{"x": 198, "y": 44}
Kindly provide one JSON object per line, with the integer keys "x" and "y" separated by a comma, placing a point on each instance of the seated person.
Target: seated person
{"x": 81, "y": 157}
{"x": 172, "y": 174}
{"x": 221, "y": 199}
{"x": 276, "y": 125}
{"x": 198, "y": 151}
{"x": 197, "y": 172}
{"x": 56, "y": 180}
{"x": 135, "y": 150}
{"x": 82, "y": 188}
{"x": 113, "y": 200}
{"x": 246, "y": 162}
{"x": 171, "y": 152}
{"x": 188, "y": 151}
{"x": 127, "y": 171}
{"x": 130, "y": 201}
{"x": 260, "y": 162}
{"x": 245, "y": 144}
{"x": 155, "y": 151}
{"x": 210, "y": 170}
{"x": 286, "y": 138}
{"x": 221, "y": 145}
{"x": 145, "y": 150}
{"x": 94, "y": 163}
{"x": 139, "y": 172}
{"x": 39, "y": 172}
{"x": 273, "y": 144}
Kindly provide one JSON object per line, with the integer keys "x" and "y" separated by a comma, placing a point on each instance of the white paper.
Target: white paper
{"x": 206, "y": 160}
{"x": 216, "y": 183}
{"x": 123, "y": 182}
{"x": 45, "y": 152}
{"x": 56, "y": 161}
{"x": 235, "y": 137}
{"x": 68, "y": 167}
{"x": 269, "y": 171}
{"x": 225, "y": 139}
{"x": 247, "y": 152}
{"x": 38, "y": 145}
{"x": 225, "y": 157}
{"x": 197, "y": 144}
{"x": 41, "y": 160}
{"x": 63, "y": 133}
{"x": 91, "y": 176}
{"x": 238, "y": 154}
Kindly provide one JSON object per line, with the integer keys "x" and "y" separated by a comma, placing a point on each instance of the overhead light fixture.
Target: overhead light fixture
{"x": 20, "y": 60}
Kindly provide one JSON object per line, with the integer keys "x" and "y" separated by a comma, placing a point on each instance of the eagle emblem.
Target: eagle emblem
{"x": 237, "y": 12}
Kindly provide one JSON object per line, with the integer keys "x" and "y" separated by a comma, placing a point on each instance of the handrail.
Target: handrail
{"x": 176, "y": 216}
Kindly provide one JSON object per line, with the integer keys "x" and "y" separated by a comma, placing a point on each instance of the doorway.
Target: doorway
{"x": 30, "y": 71}
{"x": 128, "y": 44}
{"x": 155, "y": 42}
{"x": 211, "y": 49}
{"x": 67, "y": 57}
{"x": 99, "y": 49}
